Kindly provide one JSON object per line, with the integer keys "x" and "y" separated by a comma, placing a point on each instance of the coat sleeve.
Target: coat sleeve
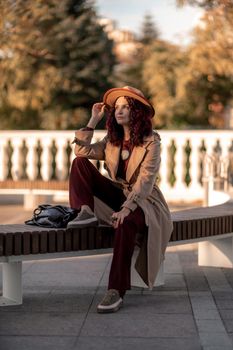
{"x": 144, "y": 184}
{"x": 84, "y": 147}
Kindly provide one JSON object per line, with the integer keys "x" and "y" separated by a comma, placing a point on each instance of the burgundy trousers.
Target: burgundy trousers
{"x": 87, "y": 182}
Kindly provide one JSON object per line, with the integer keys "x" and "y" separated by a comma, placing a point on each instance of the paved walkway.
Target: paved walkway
{"x": 192, "y": 311}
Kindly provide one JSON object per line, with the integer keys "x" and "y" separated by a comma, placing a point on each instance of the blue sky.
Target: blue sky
{"x": 174, "y": 23}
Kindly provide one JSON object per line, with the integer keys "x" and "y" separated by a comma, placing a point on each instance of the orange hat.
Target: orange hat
{"x": 112, "y": 95}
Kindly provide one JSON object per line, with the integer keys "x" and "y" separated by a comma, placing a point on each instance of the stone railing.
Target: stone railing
{"x": 47, "y": 155}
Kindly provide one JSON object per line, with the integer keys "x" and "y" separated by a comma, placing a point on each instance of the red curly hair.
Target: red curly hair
{"x": 140, "y": 123}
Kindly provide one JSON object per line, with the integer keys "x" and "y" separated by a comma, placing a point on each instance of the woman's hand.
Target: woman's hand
{"x": 118, "y": 217}
{"x": 96, "y": 115}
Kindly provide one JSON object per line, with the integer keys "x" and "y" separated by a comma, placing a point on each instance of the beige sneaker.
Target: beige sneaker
{"x": 111, "y": 302}
{"x": 85, "y": 218}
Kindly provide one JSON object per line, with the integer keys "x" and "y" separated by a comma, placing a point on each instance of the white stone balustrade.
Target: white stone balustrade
{"x": 179, "y": 190}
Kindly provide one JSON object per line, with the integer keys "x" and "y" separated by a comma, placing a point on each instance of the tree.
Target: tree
{"x": 133, "y": 74}
{"x": 57, "y": 61}
{"x": 161, "y": 72}
{"x": 207, "y": 4}
{"x": 149, "y": 31}
{"x": 207, "y": 83}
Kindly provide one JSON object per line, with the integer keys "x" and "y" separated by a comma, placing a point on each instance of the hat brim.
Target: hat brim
{"x": 112, "y": 95}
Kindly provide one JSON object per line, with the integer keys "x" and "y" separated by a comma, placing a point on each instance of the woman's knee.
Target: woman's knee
{"x": 79, "y": 159}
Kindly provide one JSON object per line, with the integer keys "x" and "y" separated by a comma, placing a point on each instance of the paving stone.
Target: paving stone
{"x": 67, "y": 302}
{"x": 226, "y": 314}
{"x": 173, "y": 282}
{"x": 123, "y": 325}
{"x": 146, "y": 291}
{"x": 217, "y": 280}
{"x": 172, "y": 263}
{"x": 210, "y": 325}
{"x": 214, "y": 339}
{"x": 224, "y": 303}
{"x": 217, "y": 348}
{"x": 231, "y": 336}
{"x": 210, "y": 314}
{"x": 200, "y": 294}
{"x": 203, "y": 303}
{"x": 229, "y": 325}
{"x": 196, "y": 282}
{"x": 36, "y": 343}
{"x": 135, "y": 343}
{"x": 223, "y": 295}
{"x": 31, "y": 303}
{"x": 38, "y": 324}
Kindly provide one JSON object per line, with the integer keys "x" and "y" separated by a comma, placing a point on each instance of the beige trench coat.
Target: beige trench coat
{"x": 140, "y": 190}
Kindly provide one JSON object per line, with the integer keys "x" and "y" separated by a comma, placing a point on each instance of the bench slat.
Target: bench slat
{"x": 35, "y": 248}
{"x": 52, "y": 241}
{"x": 68, "y": 240}
{"x": 60, "y": 240}
{"x": 17, "y": 244}
{"x": 26, "y": 249}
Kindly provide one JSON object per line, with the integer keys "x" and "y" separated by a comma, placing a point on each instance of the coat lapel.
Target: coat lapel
{"x": 113, "y": 160}
{"x": 137, "y": 157}
{"x": 134, "y": 161}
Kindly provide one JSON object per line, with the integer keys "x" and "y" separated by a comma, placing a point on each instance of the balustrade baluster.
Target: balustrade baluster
{"x": 180, "y": 164}
{"x": 164, "y": 167}
{"x": 3, "y": 159}
{"x": 46, "y": 158}
{"x": 194, "y": 165}
{"x": 17, "y": 159}
{"x": 32, "y": 158}
{"x": 61, "y": 159}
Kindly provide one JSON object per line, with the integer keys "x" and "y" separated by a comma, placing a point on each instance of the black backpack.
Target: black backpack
{"x": 53, "y": 216}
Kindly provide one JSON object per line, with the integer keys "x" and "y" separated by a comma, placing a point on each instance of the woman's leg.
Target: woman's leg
{"x": 124, "y": 243}
{"x": 86, "y": 182}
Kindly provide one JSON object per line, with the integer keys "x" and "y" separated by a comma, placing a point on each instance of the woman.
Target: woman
{"x": 140, "y": 215}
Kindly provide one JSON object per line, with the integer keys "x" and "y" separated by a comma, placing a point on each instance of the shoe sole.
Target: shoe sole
{"x": 108, "y": 311}
{"x": 84, "y": 223}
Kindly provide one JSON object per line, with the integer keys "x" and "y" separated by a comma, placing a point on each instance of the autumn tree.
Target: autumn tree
{"x": 207, "y": 83}
{"x": 149, "y": 31}
{"x": 161, "y": 72}
{"x": 56, "y": 61}
{"x": 133, "y": 73}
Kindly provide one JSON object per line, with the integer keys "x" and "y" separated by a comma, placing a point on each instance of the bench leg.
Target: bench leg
{"x": 12, "y": 284}
{"x": 136, "y": 280}
{"x": 216, "y": 253}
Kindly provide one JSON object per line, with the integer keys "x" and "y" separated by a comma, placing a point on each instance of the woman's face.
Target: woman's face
{"x": 122, "y": 111}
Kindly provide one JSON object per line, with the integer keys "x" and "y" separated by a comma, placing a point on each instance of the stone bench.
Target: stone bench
{"x": 211, "y": 227}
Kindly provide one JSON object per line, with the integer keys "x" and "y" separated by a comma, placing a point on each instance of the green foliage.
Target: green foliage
{"x": 133, "y": 74}
{"x": 57, "y": 61}
{"x": 207, "y": 84}
{"x": 194, "y": 86}
{"x": 208, "y": 4}
{"x": 161, "y": 71}
{"x": 149, "y": 31}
